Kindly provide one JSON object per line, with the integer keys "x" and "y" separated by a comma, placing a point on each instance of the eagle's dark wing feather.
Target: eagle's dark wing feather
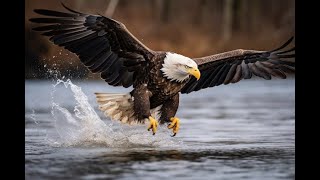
{"x": 104, "y": 45}
{"x": 232, "y": 66}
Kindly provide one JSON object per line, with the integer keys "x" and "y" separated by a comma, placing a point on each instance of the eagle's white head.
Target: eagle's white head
{"x": 178, "y": 68}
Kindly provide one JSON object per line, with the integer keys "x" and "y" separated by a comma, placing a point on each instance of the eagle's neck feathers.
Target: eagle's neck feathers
{"x": 173, "y": 67}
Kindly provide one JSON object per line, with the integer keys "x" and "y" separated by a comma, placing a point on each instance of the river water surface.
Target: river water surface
{"x": 239, "y": 131}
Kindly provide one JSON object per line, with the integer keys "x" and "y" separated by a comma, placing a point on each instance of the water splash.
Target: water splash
{"x": 83, "y": 127}
{"x": 33, "y": 116}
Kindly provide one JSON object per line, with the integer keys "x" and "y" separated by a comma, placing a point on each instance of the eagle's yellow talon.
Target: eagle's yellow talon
{"x": 174, "y": 125}
{"x": 153, "y": 125}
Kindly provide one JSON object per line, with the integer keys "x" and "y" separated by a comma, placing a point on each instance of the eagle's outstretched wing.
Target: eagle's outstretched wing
{"x": 104, "y": 45}
{"x": 232, "y": 66}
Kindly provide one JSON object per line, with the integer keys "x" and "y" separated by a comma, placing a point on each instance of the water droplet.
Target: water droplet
{"x": 33, "y": 116}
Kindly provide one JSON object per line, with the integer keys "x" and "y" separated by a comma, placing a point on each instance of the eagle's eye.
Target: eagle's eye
{"x": 187, "y": 67}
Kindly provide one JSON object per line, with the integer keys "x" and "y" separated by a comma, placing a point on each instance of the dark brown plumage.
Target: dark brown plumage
{"x": 105, "y": 46}
{"x": 232, "y": 66}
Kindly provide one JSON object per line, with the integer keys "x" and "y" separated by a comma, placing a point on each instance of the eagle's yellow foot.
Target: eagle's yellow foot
{"x": 153, "y": 125}
{"x": 174, "y": 125}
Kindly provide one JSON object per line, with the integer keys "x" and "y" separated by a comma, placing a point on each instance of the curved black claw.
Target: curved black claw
{"x": 153, "y": 132}
{"x": 174, "y": 134}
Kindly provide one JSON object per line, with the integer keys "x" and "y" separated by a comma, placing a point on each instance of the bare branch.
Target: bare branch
{"x": 111, "y": 8}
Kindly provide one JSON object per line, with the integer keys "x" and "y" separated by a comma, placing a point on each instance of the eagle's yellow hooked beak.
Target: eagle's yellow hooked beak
{"x": 194, "y": 72}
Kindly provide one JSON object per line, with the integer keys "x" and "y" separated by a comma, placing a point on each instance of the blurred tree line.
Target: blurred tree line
{"x": 193, "y": 28}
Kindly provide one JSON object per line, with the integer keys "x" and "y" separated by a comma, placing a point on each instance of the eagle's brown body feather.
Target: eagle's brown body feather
{"x": 153, "y": 88}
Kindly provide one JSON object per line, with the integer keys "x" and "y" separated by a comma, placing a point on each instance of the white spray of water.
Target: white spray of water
{"x": 84, "y": 127}
{"x": 33, "y": 116}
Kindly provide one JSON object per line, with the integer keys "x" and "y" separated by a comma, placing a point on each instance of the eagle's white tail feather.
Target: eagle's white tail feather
{"x": 120, "y": 107}
{"x": 156, "y": 112}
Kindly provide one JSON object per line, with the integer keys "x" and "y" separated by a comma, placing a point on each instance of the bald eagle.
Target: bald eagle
{"x": 105, "y": 46}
